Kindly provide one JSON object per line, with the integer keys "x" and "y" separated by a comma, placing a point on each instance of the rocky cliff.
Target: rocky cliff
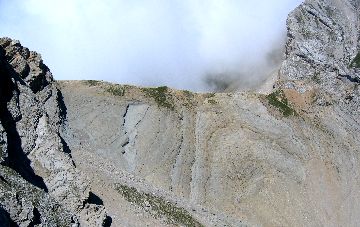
{"x": 322, "y": 52}
{"x": 161, "y": 157}
{"x": 39, "y": 183}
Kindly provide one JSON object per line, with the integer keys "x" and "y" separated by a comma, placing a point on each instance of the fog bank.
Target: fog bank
{"x": 187, "y": 44}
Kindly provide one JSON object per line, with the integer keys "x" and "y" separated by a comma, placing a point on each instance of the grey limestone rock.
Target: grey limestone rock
{"x": 322, "y": 49}
{"x": 31, "y": 117}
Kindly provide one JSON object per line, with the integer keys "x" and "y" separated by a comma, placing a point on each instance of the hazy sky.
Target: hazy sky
{"x": 147, "y": 42}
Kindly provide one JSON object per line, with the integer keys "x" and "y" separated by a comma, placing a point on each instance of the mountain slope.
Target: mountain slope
{"x": 289, "y": 158}
{"x": 162, "y": 157}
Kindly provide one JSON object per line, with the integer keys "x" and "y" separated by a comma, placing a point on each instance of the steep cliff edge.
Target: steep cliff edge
{"x": 39, "y": 183}
{"x": 322, "y": 53}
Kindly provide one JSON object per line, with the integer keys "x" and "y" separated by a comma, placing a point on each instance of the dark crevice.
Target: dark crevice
{"x": 325, "y": 24}
{"x": 62, "y": 106}
{"x": 108, "y": 221}
{"x": 349, "y": 98}
{"x": 66, "y": 149}
{"x": 319, "y": 19}
{"x": 124, "y": 115}
{"x": 63, "y": 117}
{"x": 94, "y": 199}
{"x": 65, "y": 146}
{"x": 13, "y": 224}
{"x": 36, "y": 219}
{"x": 351, "y": 79}
{"x": 4, "y": 180}
{"x": 305, "y": 58}
{"x": 311, "y": 13}
{"x": 125, "y": 143}
{"x": 73, "y": 220}
{"x": 38, "y": 83}
{"x": 5, "y": 219}
{"x": 17, "y": 197}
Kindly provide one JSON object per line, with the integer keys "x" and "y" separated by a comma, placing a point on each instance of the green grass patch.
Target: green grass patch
{"x": 92, "y": 83}
{"x": 158, "y": 206}
{"x": 356, "y": 61}
{"x": 210, "y": 95}
{"x": 189, "y": 98}
{"x": 316, "y": 78}
{"x": 212, "y": 101}
{"x": 279, "y": 101}
{"x": 188, "y": 94}
{"x": 161, "y": 96}
{"x": 116, "y": 90}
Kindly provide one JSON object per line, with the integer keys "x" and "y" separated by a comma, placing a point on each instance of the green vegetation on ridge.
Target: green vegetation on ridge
{"x": 116, "y": 90}
{"x": 161, "y": 96}
{"x": 356, "y": 61}
{"x": 157, "y": 206}
{"x": 278, "y": 100}
{"x": 92, "y": 83}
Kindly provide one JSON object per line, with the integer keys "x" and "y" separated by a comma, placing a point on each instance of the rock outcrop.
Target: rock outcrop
{"x": 322, "y": 52}
{"x": 31, "y": 113}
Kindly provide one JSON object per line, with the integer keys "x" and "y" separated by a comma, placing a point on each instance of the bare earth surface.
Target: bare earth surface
{"x": 230, "y": 154}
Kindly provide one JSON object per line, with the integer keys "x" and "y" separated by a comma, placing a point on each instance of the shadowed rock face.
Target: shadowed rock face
{"x": 30, "y": 119}
{"x": 161, "y": 157}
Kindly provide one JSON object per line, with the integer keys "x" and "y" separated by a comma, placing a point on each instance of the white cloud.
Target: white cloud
{"x": 146, "y": 42}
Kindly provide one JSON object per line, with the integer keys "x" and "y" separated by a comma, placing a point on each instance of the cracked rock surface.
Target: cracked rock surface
{"x": 231, "y": 161}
